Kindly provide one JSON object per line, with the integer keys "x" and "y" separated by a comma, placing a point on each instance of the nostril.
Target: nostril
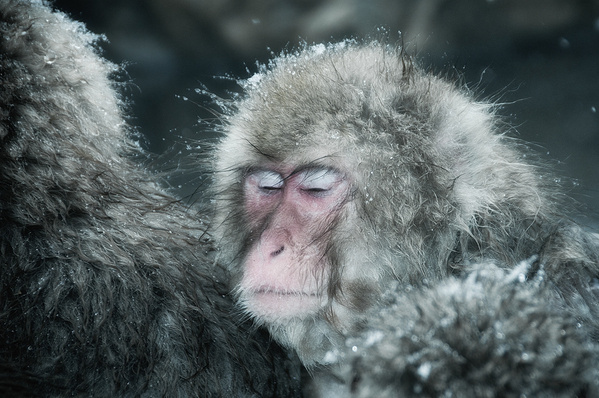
{"x": 277, "y": 252}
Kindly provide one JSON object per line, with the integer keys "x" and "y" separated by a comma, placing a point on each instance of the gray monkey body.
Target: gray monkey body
{"x": 493, "y": 333}
{"x": 427, "y": 188}
{"x": 107, "y": 286}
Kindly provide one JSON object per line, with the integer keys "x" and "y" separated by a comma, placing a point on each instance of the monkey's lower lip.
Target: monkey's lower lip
{"x": 276, "y": 304}
{"x": 267, "y": 290}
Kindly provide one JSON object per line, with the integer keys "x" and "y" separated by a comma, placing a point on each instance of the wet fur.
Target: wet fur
{"x": 492, "y": 333}
{"x": 106, "y": 281}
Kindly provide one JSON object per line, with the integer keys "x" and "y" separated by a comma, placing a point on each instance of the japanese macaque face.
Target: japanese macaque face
{"x": 291, "y": 212}
{"x": 345, "y": 167}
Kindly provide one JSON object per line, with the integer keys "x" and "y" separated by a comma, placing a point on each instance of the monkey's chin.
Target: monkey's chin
{"x": 272, "y": 305}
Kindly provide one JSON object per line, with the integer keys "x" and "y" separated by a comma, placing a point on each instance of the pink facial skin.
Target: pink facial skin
{"x": 286, "y": 268}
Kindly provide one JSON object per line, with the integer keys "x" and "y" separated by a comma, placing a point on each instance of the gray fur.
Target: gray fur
{"x": 106, "y": 283}
{"x": 437, "y": 187}
{"x": 490, "y": 334}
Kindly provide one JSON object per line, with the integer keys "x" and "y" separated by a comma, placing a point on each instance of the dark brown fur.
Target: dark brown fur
{"x": 106, "y": 286}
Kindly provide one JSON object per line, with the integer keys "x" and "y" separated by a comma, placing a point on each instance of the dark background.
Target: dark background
{"x": 538, "y": 57}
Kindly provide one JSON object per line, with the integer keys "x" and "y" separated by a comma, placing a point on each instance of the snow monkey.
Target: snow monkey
{"x": 347, "y": 174}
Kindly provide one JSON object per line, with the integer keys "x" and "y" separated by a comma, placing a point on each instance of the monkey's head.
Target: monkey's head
{"x": 342, "y": 168}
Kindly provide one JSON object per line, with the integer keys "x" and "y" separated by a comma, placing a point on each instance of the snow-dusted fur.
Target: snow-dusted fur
{"x": 106, "y": 285}
{"x": 491, "y": 334}
{"x": 436, "y": 187}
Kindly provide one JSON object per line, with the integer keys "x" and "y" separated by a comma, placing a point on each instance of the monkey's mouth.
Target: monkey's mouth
{"x": 283, "y": 292}
{"x": 283, "y": 303}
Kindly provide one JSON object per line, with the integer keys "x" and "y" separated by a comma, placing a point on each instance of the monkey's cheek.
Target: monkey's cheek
{"x": 274, "y": 306}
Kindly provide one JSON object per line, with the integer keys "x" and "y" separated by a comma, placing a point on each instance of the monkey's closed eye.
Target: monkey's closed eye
{"x": 267, "y": 180}
{"x": 318, "y": 182}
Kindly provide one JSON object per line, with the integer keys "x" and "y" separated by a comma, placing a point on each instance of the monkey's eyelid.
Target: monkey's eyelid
{"x": 320, "y": 180}
{"x": 315, "y": 189}
{"x": 268, "y": 179}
